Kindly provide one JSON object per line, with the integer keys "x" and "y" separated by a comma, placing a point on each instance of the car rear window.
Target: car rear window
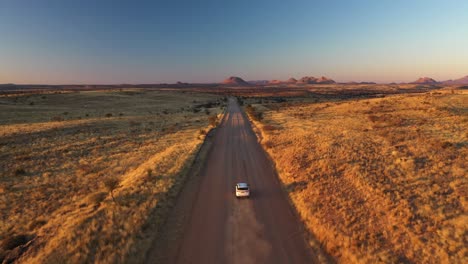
{"x": 243, "y": 188}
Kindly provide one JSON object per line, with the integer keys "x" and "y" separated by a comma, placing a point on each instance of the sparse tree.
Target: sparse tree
{"x": 111, "y": 184}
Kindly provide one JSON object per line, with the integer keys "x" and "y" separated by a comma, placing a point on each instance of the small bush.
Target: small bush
{"x": 213, "y": 120}
{"x": 134, "y": 123}
{"x": 36, "y": 223}
{"x": 108, "y": 115}
{"x": 11, "y": 242}
{"x": 20, "y": 171}
{"x": 202, "y": 132}
{"x": 111, "y": 184}
{"x": 57, "y": 118}
{"x": 96, "y": 198}
{"x": 268, "y": 144}
{"x": 269, "y": 128}
{"x": 373, "y": 118}
{"x": 253, "y": 113}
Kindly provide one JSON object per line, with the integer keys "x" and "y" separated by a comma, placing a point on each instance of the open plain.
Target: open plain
{"x": 85, "y": 176}
{"x": 343, "y": 173}
{"x": 377, "y": 178}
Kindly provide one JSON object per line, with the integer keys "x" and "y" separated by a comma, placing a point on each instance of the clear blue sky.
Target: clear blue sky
{"x": 68, "y": 41}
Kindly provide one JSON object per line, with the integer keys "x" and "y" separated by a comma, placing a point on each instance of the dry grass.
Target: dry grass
{"x": 377, "y": 180}
{"x": 88, "y": 175}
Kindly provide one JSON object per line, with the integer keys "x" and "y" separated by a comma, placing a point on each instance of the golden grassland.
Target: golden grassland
{"x": 87, "y": 176}
{"x": 376, "y": 179}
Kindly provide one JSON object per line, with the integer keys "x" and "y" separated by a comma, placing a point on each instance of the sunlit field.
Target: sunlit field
{"x": 87, "y": 176}
{"x": 374, "y": 179}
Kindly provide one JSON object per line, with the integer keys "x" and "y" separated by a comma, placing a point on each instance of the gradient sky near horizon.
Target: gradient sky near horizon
{"x": 66, "y": 41}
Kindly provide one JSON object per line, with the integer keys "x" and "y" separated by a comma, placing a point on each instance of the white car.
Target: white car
{"x": 242, "y": 190}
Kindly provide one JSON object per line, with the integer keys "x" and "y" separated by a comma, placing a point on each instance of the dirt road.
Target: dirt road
{"x": 223, "y": 229}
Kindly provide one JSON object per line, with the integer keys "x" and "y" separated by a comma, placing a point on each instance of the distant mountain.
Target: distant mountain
{"x": 275, "y": 82}
{"x": 7, "y": 86}
{"x": 425, "y": 80}
{"x": 233, "y": 80}
{"x": 308, "y": 80}
{"x": 325, "y": 80}
{"x": 358, "y": 83}
{"x": 289, "y": 81}
{"x": 259, "y": 82}
{"x": 461, "y": 81}
{"x": 313, "y": 80}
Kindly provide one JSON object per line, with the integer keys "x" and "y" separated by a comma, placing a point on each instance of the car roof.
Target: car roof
{"x": 242, "y": 184}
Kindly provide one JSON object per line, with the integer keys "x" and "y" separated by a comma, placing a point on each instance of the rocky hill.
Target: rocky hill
{"x": 308, "y": 80}
{"x": 275, "y": 82}
{"x": 425, "y": 80}
{"x": 313, "y": 80}
{"x": 460, "y": 81}
{"x": 233, "y": 80}
{"x": 325, "y": 80}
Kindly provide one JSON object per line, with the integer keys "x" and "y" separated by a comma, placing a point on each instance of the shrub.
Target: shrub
{"x": 96, "y": 198}
{"x": 202, "y": 132}
{"x": 253, "y": 113}
{"x": 57, "y": 118}
{"x": 111, "y": 184}
{"x": 213, "y": 120}
{"x": 269, "y": 128}
{"x": 134, "y": 123}
{"x": 11, "y": 242}
{"x": 36, "y": 223}
{"x": 108, "y": 115}
{"x": 20, "y": 171}
{"x": 268, "y": 144}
